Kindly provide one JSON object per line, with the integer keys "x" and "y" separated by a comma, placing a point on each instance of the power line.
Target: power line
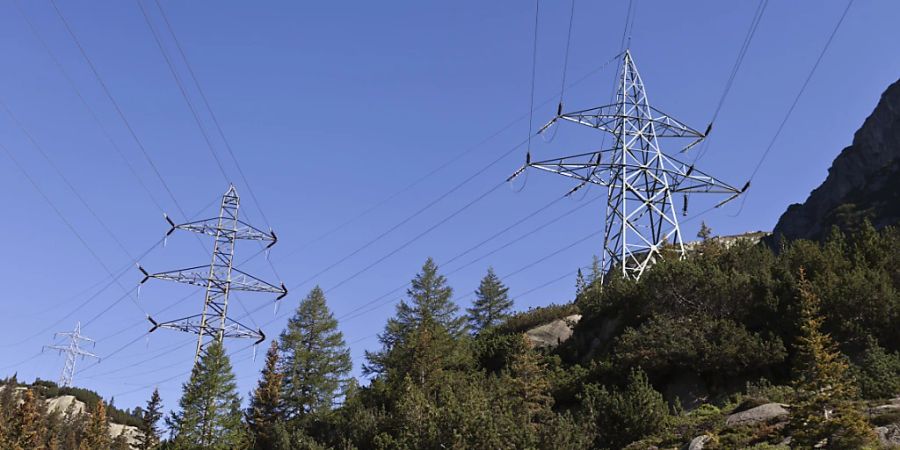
{"x": 183, "y": 92}
{"x": 444, "y": 165}
{"x": 86, "y": 105}
{"x": 548, "y": 100}
{"x": 812, "y": 71}
{"x": 65, "y": 220}
{"x": 116, "y": 106}
{"x": 742, "y": 52}
{"x": 796, "y": 100}
{"x": 537, "y": 10}
{"x": 212, "y": 114}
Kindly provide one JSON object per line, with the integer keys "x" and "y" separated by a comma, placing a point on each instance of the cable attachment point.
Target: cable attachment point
{"x": 155, "y": 324}
{"x": 575, "y": 189}
{"x": 146, "y": 274}
{"x": 517, "y": 173}
{"x": 171, "y": 224}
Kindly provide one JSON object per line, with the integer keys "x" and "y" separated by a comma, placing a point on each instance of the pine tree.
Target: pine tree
{"x": 823, "y": 382}
{"x": 705, "y": 231}
{"x": 210, "y": 415}
{"x": 430, "y": 301}
{"x": 120, "y": 442}
{"x": 315, "y": 361}
{"x": 96, "y": 432}
{"x": 492, "y": 303}
{"x": 27, "y": 427}
{"x": 149, "y": 437}
{"x": 531, "y": 387}
{"x": 596, "y": 271}
{"x": 580, "y": 283}
{"x": 264, "y": 413}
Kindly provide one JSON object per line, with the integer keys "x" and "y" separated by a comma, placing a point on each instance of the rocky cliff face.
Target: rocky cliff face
{"x": 863, "y": 181}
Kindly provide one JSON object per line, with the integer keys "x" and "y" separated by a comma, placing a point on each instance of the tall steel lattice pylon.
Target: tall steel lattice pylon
{"x": 73, "y": 350}
{"x": 641, "y": 219}
{"x": 219, "y": 278}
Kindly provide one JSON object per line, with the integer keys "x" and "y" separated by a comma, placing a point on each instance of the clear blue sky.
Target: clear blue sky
{"x": 332, "y": 107}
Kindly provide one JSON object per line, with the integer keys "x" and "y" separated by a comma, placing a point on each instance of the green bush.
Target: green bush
{"x": 707, "y": 346}
{"x": 627, "y": 415}
{"x": 878, "y": 372}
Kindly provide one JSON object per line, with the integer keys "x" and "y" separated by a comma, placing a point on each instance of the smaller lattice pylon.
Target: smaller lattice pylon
{"x": 73, "y": 350}
{"x": 219, "y": 277}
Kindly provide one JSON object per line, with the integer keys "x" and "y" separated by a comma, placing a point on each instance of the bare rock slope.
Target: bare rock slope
{"x": 863, "y": 181}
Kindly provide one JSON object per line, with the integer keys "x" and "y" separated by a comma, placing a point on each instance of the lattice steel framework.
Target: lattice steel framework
{"x": 219, "y": 278}
{"x": 73, "y": 350}
{"x": 641, "y": 219}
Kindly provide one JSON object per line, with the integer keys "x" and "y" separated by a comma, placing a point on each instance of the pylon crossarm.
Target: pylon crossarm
{"x": 194, "y": 324}
{"x": 687, "y": 179}
{"x": 197, "y": 276}
{"x": 246, "y": 282}
{"x": 607, "y": 118}
{"x": 210, "y": 227}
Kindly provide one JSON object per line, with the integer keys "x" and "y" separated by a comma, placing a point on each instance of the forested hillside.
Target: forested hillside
{"x": 738, "y": 346}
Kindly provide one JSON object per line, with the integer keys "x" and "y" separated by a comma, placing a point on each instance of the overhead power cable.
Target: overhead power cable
{"x": 441, "y": 167}
{"x": 116, "y": 106}
{"x": 803, "y": 87}
{"x": 581, "y": 79}
{"x": 212, "y": 114}
{"x": 796, "y": 100}
{"x": 69, "y": 224}
{"x": 739, "y": 61}
{"x": 183, "y": 91}
{"x": 537, "y": 11}
{"x": 87, "y": 106}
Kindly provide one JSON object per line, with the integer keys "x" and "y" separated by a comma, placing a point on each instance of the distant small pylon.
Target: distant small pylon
{"x": 73, "y": 351}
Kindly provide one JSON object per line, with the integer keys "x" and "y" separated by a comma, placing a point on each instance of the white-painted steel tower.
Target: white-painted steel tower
{"x": 73, "y": 350}
{"x": 219, "y": 278}
{"x": 641, "y": 180}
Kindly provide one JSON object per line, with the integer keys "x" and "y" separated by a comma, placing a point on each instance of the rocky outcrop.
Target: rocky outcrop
{"x": 63, "y": 402}
{"x": 888, "y": 436}
{"x": 698, "y": 442}
{"x": 66, "y": 403}
{"x": 863, "y": 181}
{"x": 554, "y": 333}
{"x": 762, "y": 413}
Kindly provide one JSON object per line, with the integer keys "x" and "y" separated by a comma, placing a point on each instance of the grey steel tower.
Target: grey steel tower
{"x": 641, "y": 180}
{"x": 219, "y": 278}
{"x": 73, "y": 351}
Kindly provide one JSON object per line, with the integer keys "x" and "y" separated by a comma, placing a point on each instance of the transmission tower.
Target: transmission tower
{"x": 641, "y": 218}
{"x": 219, "y": 278}
{"x": 73, "y": 351}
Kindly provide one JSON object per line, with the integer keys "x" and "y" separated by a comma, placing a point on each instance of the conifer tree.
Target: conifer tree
{"x": 96, "y": 431}
{"x": 823, "y": 382}
{"x": 149, "y": 437}
{"x": 210, "y": 415}
{"x": 705, "y": 231}
{"x": 492, "y": 303}
{"x": 120, "y": 442}
{"x": 27, "y": 427}
{"x": 429, "y": 302}
{"x": 531, "y": 387}
{"x": 263, "y": 415}
{"x": 580, "y": 282}
{"x": 315, "y": 361}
